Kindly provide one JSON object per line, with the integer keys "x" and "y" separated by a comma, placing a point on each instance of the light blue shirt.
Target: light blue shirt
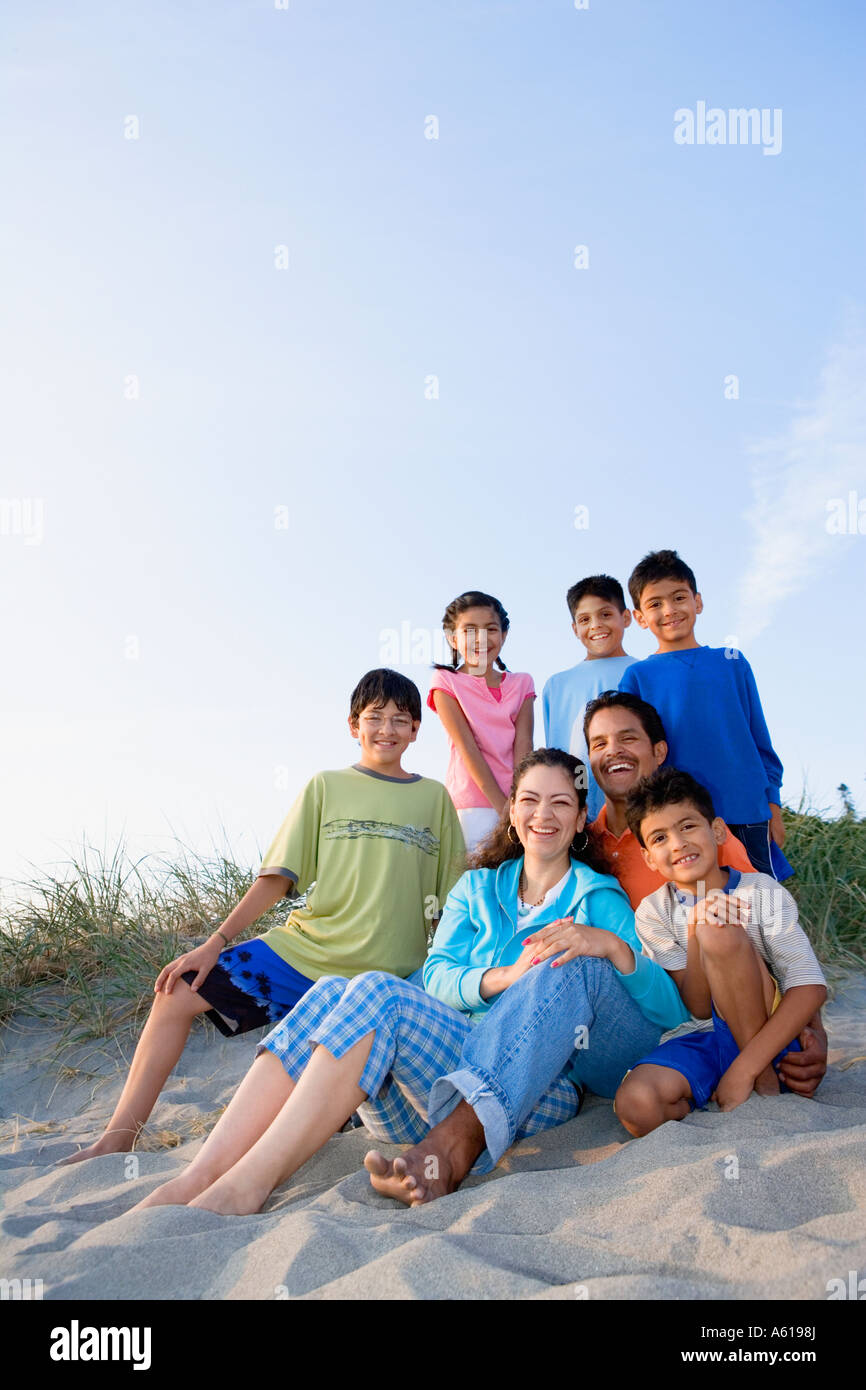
{"x": 479, "y": 929}
{"x": 564, "y": 700}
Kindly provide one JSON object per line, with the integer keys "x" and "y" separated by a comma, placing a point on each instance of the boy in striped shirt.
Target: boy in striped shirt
{"x": 732, "y": 942}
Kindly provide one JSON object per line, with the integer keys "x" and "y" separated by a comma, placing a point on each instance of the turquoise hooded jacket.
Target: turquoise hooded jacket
{"x": 478, "y": 930}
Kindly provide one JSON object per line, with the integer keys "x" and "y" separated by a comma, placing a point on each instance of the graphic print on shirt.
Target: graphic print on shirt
{"x": 424, "y": 839}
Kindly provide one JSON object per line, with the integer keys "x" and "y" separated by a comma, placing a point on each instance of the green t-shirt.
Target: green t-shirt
{"x": 371, "y": 853}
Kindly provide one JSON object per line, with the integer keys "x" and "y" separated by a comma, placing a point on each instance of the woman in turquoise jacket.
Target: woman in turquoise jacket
{"x": 487, "y": 922}
{"x": 536, "y": 912}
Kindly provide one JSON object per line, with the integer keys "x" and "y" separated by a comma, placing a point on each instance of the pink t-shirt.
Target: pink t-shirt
{"x": 491, "y": 715}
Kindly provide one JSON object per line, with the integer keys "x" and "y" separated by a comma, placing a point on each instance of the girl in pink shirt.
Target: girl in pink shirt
{"x": 486, "y": 711}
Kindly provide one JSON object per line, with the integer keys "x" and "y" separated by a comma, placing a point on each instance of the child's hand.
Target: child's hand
{"x": 202, "y": 960}
{"x": 777, "y": 825}
{"x": 720, "y": 910}
{"x": 734, "y": 1087}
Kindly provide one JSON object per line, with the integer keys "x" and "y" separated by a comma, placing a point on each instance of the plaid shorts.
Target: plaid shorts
{"x": 417, "y": 1039}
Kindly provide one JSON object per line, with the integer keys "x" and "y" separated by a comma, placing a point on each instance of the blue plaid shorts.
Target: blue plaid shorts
{"x": 417, "y": 1039}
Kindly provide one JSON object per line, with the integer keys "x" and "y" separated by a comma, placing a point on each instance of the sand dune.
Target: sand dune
{"x": 767, "y": 1202}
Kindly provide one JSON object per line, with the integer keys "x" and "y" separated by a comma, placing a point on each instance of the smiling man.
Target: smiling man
{"x": 626, "y": 741}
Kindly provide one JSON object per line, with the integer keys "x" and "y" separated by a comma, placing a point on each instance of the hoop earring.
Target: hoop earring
{"x": 578, "y": 849}
{"x": 516, "y": 840}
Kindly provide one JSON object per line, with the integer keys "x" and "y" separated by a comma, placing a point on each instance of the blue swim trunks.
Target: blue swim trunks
{"x": 249, "y": 987}
{"x": 703, "y": 1058}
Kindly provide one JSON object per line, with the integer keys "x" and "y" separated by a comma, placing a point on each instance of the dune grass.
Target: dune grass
{"x": 829, "y": 857}
{"x": 82, "y": 947}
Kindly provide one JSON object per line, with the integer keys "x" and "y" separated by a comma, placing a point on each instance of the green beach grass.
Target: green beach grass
{"x": 83, "y": 947}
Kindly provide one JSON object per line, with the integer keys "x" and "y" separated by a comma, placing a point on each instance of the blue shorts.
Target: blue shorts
{"x": 249, "y": 987}
{"x": 703, "y": 1058}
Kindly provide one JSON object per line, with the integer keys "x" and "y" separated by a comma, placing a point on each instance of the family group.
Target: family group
{"x": 621, "y": 928}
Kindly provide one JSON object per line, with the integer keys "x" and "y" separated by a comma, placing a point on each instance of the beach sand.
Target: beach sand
{"x": 766, "y": 1202}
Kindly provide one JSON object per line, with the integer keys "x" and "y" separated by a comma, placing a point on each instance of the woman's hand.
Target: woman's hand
{"x": 202, "y": 960}
{"x": 777, "y": 825}
{"x": 500, "y": 977}
{"x": 567, "y": 939}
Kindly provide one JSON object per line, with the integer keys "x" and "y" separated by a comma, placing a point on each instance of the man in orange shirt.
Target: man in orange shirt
{"x": 626, "y": 741}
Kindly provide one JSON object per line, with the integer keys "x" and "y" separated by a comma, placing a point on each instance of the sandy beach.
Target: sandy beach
{"x": 766, "y": 1202}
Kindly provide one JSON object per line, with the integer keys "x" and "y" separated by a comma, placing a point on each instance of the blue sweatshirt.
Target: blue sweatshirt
{"x": 715, "y": 727}
{"x": 478, "y": 930}
{"x": 564, "y": 701}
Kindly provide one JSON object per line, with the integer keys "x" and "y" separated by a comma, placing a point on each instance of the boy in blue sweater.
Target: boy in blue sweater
{"x": 599, "y": 618}
{"x": 709, "y": 704}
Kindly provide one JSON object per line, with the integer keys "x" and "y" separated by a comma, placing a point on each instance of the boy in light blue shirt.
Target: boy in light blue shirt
{"x": 599, "y": 618}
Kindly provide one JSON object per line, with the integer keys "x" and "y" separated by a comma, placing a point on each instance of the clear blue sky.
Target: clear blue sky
{"x": 304, "y": 388}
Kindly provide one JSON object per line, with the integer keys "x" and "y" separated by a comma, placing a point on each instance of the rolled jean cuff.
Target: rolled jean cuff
{"x": 490, "y": 1105}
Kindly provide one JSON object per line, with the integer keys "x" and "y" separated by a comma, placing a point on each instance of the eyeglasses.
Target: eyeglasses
{"x": 400, "y": 723}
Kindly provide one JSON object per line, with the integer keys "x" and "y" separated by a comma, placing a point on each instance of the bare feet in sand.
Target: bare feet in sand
{"x": 434, "y": 1167}
{"x": 177, "y": 1192}
{"x": 232, "y": 1197}
{"x": 407, "y": 1178}
{"x": 114, "y": 1142}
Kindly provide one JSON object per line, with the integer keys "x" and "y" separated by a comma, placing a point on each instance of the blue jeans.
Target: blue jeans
{"x": 579, "y": 1012}
{"x": 762, "y": 849}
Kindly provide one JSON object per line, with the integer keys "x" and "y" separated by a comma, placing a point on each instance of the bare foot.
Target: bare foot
{"x": 767, "y": 1084}
{"x": 115, "y": 1142}
{"x": 177, "y": 1192}
{"x": 231, "y": 1197}
{"x": 407, "y": 1179}
{"x": 434, "y": 1167}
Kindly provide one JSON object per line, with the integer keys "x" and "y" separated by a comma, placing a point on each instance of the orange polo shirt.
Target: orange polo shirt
{"x": 629, "y": 867}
